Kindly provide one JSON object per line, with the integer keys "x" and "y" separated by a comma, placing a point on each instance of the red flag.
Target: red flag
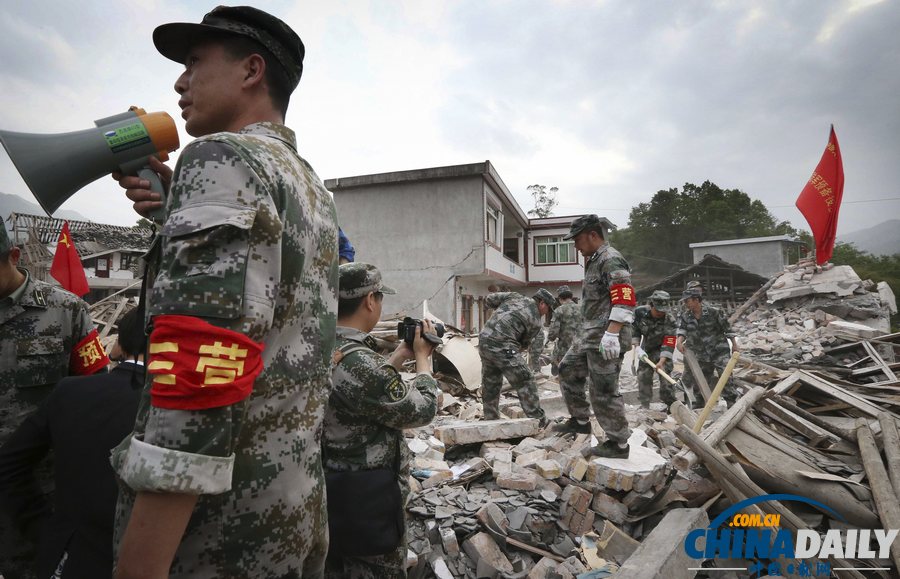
{"x": 67, "y": 268}
{"x": 820, "y": 200}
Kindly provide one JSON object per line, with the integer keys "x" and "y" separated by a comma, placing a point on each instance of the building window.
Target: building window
{"x": 555, "y": 250}
{"x": 493, "y": 225}
{"x": 125, "y": 261}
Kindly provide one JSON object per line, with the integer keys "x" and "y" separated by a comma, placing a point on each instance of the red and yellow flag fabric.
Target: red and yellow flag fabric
{"x": 820, "y": 200}
{"x": 67, "y": 268}
{"x": 196, "y": 365}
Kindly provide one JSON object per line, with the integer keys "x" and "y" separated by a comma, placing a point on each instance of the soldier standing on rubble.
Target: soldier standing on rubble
{"x": 656, "y": 326}
{"x": 564, "y": 327}
{"x": 706, "y": 331}
{"x": 515, "y": 323}
{"x": 607, "y": 311}
{"x": 369, "y": 407}
{"x": 46, "y": 334}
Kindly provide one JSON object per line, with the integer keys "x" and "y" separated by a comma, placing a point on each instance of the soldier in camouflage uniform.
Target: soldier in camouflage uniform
{"x": 222, "y": 476}
{"x": 706, "y": 331}
{"x": 371, "y": 405}
{"x": 607, "y": 311}
{"x": 515, "y": 323}
{"x": 656, "y": 327}
{"x": 46, "y": 334}
{"x": 564, "y": 327}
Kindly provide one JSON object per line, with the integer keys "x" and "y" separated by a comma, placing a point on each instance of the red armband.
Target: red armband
{"x": 668, "y": 341}
{"x": 622, "y": 294}
{"x": 196, "y": 365}
{"x": 88, "y": 356}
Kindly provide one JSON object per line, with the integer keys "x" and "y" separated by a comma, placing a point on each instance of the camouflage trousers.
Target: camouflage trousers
{"x": 559, "y": 350}
{"x": 583, "y": 360}
{"x": 389, "y": 566}
{"x": 711, "y": 371}
{"x": 645, "y": 381}
{"x": 510, "y": 363}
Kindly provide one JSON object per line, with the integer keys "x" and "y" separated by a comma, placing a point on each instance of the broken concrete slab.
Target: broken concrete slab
{"x": 484, "y": 550}
{"x": 486, "y": 430}
{"x": 643, "y": 469}
{"x": 661, "y": 555}
{"x": 463, "y": 356}
{"x": 523, "y": 480}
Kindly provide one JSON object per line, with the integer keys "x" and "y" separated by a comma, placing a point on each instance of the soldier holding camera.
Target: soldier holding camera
{"x": 515, "y": 323}
{"x": 365, "y": 458}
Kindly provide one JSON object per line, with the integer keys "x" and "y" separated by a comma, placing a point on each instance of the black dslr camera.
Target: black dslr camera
{"x": 406, "y": 331}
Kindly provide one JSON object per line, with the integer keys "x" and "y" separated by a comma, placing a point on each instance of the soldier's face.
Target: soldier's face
{"x": 587, "y": 242}
{"x": 692, "y": 304}
{"x": 210, "y": 90}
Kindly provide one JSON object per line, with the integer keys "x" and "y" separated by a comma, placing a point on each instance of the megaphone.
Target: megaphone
{"x": 58, "y": 165}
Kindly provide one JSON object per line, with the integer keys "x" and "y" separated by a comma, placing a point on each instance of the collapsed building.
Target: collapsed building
{"x": 507, "y": 499}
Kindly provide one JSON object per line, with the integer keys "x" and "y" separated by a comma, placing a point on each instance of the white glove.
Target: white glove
{"x": 609, "y": 346}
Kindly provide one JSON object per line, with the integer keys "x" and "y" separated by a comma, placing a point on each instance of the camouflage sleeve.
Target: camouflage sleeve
{"x": 679, "y": 326}
{"x": 725, "y": 326}
{"x": 553, "y": 332}
{"x": 209, "y": 265}
{"x": 636, "y": 325}
{"x": 378, "y": 392}
{"x": 620, "y": 285}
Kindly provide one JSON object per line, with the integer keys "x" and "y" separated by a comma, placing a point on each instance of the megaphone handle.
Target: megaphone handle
{"x": 156, "y": 186}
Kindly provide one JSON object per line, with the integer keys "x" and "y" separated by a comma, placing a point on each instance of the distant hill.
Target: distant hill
{"x": 881, "y": 239}
{"x": 10, "y": 203}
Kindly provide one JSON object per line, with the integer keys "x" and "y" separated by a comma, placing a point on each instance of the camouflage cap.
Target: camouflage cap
{"x": 694, "y": 284}
{"x": 691, "y": 293}
{"x": 660, "y": 299}
{"x": 358, "y": 279}
{"x": 175, "y": 39}
{"x": 563, "y": 289}
{"x": 585, "y": 222}
{"x": 546, "y": 297}
{"x": 5, "y": 244}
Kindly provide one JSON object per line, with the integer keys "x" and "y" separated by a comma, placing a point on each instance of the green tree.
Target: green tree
{"x": 544, "y": 200}
{"x": 660, "y": 231}
{"x": 144, "y": 222}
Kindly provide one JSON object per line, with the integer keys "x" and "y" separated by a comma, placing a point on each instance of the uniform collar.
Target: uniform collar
{"x": 600, "y": 251}
{"x": 29, "y": 293}
{"x": 274, "y": 130}
{"x": 355, "y": 335}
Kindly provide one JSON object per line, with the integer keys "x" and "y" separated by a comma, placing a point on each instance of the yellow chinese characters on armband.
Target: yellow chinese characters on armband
{"x": 88, "y": 356}
{"x": 622, "y": 294}
{"x": 196, "y": 365}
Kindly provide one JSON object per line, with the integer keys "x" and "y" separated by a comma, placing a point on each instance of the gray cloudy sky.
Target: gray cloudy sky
{"x": 608, "y": 100}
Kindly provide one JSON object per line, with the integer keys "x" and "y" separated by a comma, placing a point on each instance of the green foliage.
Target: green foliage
{"x": 144, "y": 222}
{"x": 659, "y": 232}
{"x": 544, "y": 200}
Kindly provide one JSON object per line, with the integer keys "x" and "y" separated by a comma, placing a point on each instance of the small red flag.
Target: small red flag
{"x": 820, "y": 200}
{"x": 67, "y": 268}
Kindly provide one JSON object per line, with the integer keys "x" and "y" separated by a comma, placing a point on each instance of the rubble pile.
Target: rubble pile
{"x": 807, "y": 306}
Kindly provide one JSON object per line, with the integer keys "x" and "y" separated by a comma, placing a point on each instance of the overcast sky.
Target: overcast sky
{"x": 610, "y": 101}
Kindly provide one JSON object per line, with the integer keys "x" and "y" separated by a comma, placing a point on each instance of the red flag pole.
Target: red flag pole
{"x": 67, "y": 268}
{"x": 820, "y": 200}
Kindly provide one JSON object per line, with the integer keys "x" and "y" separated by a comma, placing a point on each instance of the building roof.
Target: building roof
{"x": 91, "y": 239}
{"x": 770, "y": 238}
{"x": 564, "y": 221}
{"x": 721, "y": 281}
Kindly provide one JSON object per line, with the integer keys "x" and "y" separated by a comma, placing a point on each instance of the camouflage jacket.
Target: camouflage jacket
{"x": 606, "y": 271}
{"x": 707, "y": 336}
{"x": 565, "y": 325}
{"x": 250, "y": 244}
{"x": 515, "y": 322}
{"x": 369, "y": 407}
{"x": 40, "y": 326}
{"x": 658, "y": 333}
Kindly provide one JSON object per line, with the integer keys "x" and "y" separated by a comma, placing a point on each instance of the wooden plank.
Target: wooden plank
{"x": 694, "y": 367}
{"x": 882, "y": 490}
{"x": 840, "y": 394}
{"x": 111, "y": 320}
{"x": 870, "y": 349}
{"x": 891, "y": 442}
{"x": 816, "y": 434}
